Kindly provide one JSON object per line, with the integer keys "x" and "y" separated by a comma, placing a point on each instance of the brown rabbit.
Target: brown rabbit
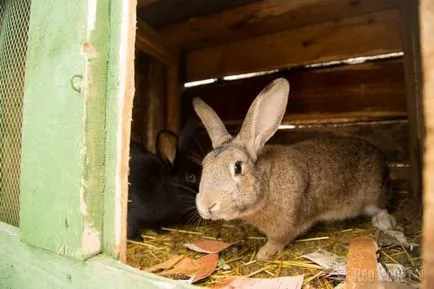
{"x": 284, "y": 190}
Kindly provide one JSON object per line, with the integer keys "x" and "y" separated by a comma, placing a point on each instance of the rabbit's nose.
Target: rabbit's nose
{"x": 213, "y": 208}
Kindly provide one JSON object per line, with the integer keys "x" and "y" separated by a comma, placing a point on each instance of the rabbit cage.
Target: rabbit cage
{"x": 355, "y": 68}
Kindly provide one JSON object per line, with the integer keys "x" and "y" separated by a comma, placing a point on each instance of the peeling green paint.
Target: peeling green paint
{"x": 63, "y": 129}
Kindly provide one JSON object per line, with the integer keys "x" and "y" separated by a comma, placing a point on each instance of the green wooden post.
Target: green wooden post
{"x": 63, "y": 127}
{"x": 68, "y": 146}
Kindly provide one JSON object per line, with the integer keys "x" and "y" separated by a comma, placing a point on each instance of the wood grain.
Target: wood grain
{"x": 426, "y": 22}
{"x": 23, "y": 266}
{"x": 391, "y": 137}
{"x": 158, "y": 13}
{"x": 62, "y": 180}
{"x": 119, "y": 100}
{"x": 328, "y": 41}
{"x": 359, "y": 91}
{"x": 413, "y": 79}
{"x": 149, "y": 42}
{"x": 264, "y": 17}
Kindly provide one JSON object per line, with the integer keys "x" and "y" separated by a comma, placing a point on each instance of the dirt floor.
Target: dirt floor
{"x": 239, "y": 260}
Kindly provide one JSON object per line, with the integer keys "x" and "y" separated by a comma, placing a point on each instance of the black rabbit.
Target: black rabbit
{"x": 162, "y": 186}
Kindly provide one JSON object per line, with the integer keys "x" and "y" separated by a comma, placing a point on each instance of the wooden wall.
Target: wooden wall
{"x": 297, "y": 38}
{"x": 346, "y": 97}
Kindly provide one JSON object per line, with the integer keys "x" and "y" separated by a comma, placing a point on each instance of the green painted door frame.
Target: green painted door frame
{"x": 77, "y": 112}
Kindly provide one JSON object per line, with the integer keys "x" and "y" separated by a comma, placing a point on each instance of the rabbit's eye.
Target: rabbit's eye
{"x": 237, "y": 168}
{"x": 191, "y": 178}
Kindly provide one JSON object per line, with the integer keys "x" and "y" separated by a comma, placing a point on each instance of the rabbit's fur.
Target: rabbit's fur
{"x": 284, "y": 190}
{"x": 163, "y": 186}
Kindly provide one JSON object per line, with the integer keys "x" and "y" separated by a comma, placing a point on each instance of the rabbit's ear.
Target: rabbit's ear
{"x": 166, "y": 145}
{"x": 264, "y": 116}
{"x": 187, "y": 134}
{"x": 213, "y": 124}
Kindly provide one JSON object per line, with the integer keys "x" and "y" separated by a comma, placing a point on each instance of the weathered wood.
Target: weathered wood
{"x": 389, "y": 136}
{"x": 328, "y": 41}
{"x": 164, "y": 12}
{"x": 413, "y": 78}
{"x": 149, "y": 42}
{"x": 155, "y": 102}
{"x": 426, "y": 24}
{"x": 263, "y": 17}
{"x": 369, "y": 90}
{"x": 139, "y": 105}
{"x": 22, "y": 266}
{"x": 173, "y": 111}
{"x": 62, "y": 167}
{"x": 119, "y": 100}
{"x": 144, "y": 3}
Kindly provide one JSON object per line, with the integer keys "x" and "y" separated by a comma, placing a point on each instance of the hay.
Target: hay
{"x": 239, "y": 260}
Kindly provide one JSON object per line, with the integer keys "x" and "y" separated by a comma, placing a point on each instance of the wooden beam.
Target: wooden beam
{"x": 63, "y": 144}
{"x": 165, "y": 12}
{"x": 144, "y": 3}
{"x": 264, "y": 17}
{"x": 119, "y": 100}
{"x": 390, "y": 136}
{"x": 23, "y": 266}
{"x": 334, "y": 40}
{"x": 149, "y": 42}
{"x": 348, "y": 92}
{"x": 173, "y": 102}
{"x": 413, "y": 79}
{"x": 426, "y": 24}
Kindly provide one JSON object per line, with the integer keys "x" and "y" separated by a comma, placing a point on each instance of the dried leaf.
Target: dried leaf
{"x": 362, "y": 261}
{"x": 329, "y": 261}
{"x": 197, "y": 269}
{"x": 164, "y": 265}
{"x": 208, "y": 246}
{"x": 293, "y": 282}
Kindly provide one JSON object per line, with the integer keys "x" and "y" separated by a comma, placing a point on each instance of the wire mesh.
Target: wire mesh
{"x": 14, "y": 23}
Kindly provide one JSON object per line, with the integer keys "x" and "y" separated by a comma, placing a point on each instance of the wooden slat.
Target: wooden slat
{"x": 426, "y": 22}
{"x": 158, "y": 13}
{"x": 413, "y": 76}
{"x": 364, "y": 35}
{"x": 119, "y": 100}
{"x": 359, "y": 91}
{"x": 144, "y": 3}
{"x": 390, "y": 136}
{"x": 173, "y": 99}
{"x": 63, "y": 144}
{"x": 23, "y": 266}
{"x": 264, "y": 17}
{"x": 149, "y": 42}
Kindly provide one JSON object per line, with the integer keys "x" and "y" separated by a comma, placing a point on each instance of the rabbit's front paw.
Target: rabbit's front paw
{"x": 269, "y": 251}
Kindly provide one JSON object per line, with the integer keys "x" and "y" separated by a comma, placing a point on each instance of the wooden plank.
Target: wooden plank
{"x": 161, "y": 13}
{"x": 374, "y": 90}
{"x": 23, "y": 266}
{"x": 173, "y": 111}
{"x": 328, "y": 41}
{"x": 139, "y": 105}
{"x": 155, "y": 103}
{"x": 149, "y": 42}
{"x": 426, "y": 22}
{"x": 264, "y": 17}
{"x": 144, "y": 3}
{"x": 413, "y": 77}
{"x": 389, "y": 136}
{"x": 62, "y": 167}
{"x": 119, "y": 98}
